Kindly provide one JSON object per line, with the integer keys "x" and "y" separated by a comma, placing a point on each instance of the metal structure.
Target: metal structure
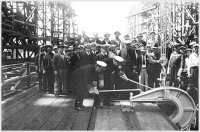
{"x": 185, "y": 109}
{"x": 27, "y": 24}
{"x": 180, "y": 17}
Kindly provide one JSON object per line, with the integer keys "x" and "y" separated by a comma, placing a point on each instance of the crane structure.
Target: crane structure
{"x": 166, "y": 18}
{"x": 28, "y": 24}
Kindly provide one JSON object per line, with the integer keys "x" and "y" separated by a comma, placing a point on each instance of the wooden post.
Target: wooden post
{"x": 28, "y": 73}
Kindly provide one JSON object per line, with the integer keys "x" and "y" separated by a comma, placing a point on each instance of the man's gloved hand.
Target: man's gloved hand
{"x": 56, "y": 72}
{"x": 124, "y": 77}
{"x": 93, "y": 90}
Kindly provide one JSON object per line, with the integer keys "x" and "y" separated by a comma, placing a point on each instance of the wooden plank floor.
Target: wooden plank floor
{"x": 40, "y": 111}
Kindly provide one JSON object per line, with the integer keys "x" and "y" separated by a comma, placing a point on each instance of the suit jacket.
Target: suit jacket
{"x": 39, "y": 62}
{"x": 75, "y": 62}
{"x": 97, "y": 41}
{"x": 100, "y": 57}
{"x": 104, "y": 42}
{"x": 139, "y": 63}
{"x": 48, "y": 62}
{"x": 59, "y": 62}
{"x": 143, "y": 42}
{"x": 116, "y": 42}
{"x": 131, "y": 58}
{"x": 85, "y": 59}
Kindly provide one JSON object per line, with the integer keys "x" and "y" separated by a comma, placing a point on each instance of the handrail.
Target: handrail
{"x": 14, "y": 79}
{"x": 14, "y": 65}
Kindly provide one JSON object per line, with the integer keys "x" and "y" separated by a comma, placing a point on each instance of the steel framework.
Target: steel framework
{"x": 166, "y": 18}
{"x": 27, "y": 24}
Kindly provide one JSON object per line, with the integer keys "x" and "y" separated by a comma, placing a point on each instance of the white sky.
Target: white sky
{"x": 102, "y": 16}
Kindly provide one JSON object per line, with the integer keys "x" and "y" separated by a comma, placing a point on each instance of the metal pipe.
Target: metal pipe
{"x": 139, "y": 83}
{"x": 119, "y": 90}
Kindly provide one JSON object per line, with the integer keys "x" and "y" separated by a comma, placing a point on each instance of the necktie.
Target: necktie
{"x": 143, "y": 62}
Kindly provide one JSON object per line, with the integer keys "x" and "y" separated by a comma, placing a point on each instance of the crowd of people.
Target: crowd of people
{"x": 94, "y": 64}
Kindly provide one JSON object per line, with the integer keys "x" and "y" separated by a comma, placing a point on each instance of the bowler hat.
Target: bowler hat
{"x": 139, "y": 35}
{"x": 117, "y": 32}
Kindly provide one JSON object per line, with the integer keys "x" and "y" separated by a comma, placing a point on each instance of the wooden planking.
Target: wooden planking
{"x": 45, "y": 115}
{"x": 131, "y": 120}
{"x": 92, "y": 120}
{"x": 27, "y": 113}
{"x": 11, "y": 102}
{"x": 150, "y": 118}
{"x": 68, "y": 119}
{"x": 5, "y": 115}
{"x": 57, "y": 116}
{"x": 83, "y": 117}
{"x": 110, "y": 118}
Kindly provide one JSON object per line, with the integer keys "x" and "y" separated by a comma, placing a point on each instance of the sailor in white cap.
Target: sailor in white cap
{"x": 90, "y": 78}
{"x": 113, "y": 71}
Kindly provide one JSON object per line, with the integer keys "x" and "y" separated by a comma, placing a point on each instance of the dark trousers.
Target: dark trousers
{"x": 50, "y": 81}
{"x": 80, "y": 94}
{"x": 194, "y": 76}
{"x": 42, "y": 81}
{"x": 184, "y": 81}
{"x": 153, "y": 78}
{"x": 108, "y": 85}
{"x": 61, "y": 82}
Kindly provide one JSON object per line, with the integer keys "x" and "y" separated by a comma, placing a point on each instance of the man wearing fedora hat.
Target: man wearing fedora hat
{"x": 86, "y": 56}
{"x": 106, "y": 39}
{"x": 60, "y": 66}
{"x": 102, "y": 55}
{"x": 48, "y": 68}
{"x": 111, "y": 75}
{"x": 184, "y": 75}
{"x": 142, "y": 65}
{"x": 39, "y": 63}
{"x": 117, "y": 40}
{"x": 175, "y": 66}
{"x": 139, "y": 39}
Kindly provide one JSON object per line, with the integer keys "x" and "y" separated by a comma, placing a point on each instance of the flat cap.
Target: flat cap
{"x": 93, "y": 44}
{"x": 87, "y": 46}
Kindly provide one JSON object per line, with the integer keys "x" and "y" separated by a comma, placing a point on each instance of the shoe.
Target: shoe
{"x": 107, "y": 104}
{"x": 57, "y": 96}
{"x": 80, "y": 108}
{"x": 98, "y": 107}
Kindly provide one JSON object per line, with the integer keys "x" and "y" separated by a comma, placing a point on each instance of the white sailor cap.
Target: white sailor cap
{"x": 192, "y": 43}
{"x": 119, "y": 59}
{"x": 101, "y": 64}
{"x": 127, "y": 41}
